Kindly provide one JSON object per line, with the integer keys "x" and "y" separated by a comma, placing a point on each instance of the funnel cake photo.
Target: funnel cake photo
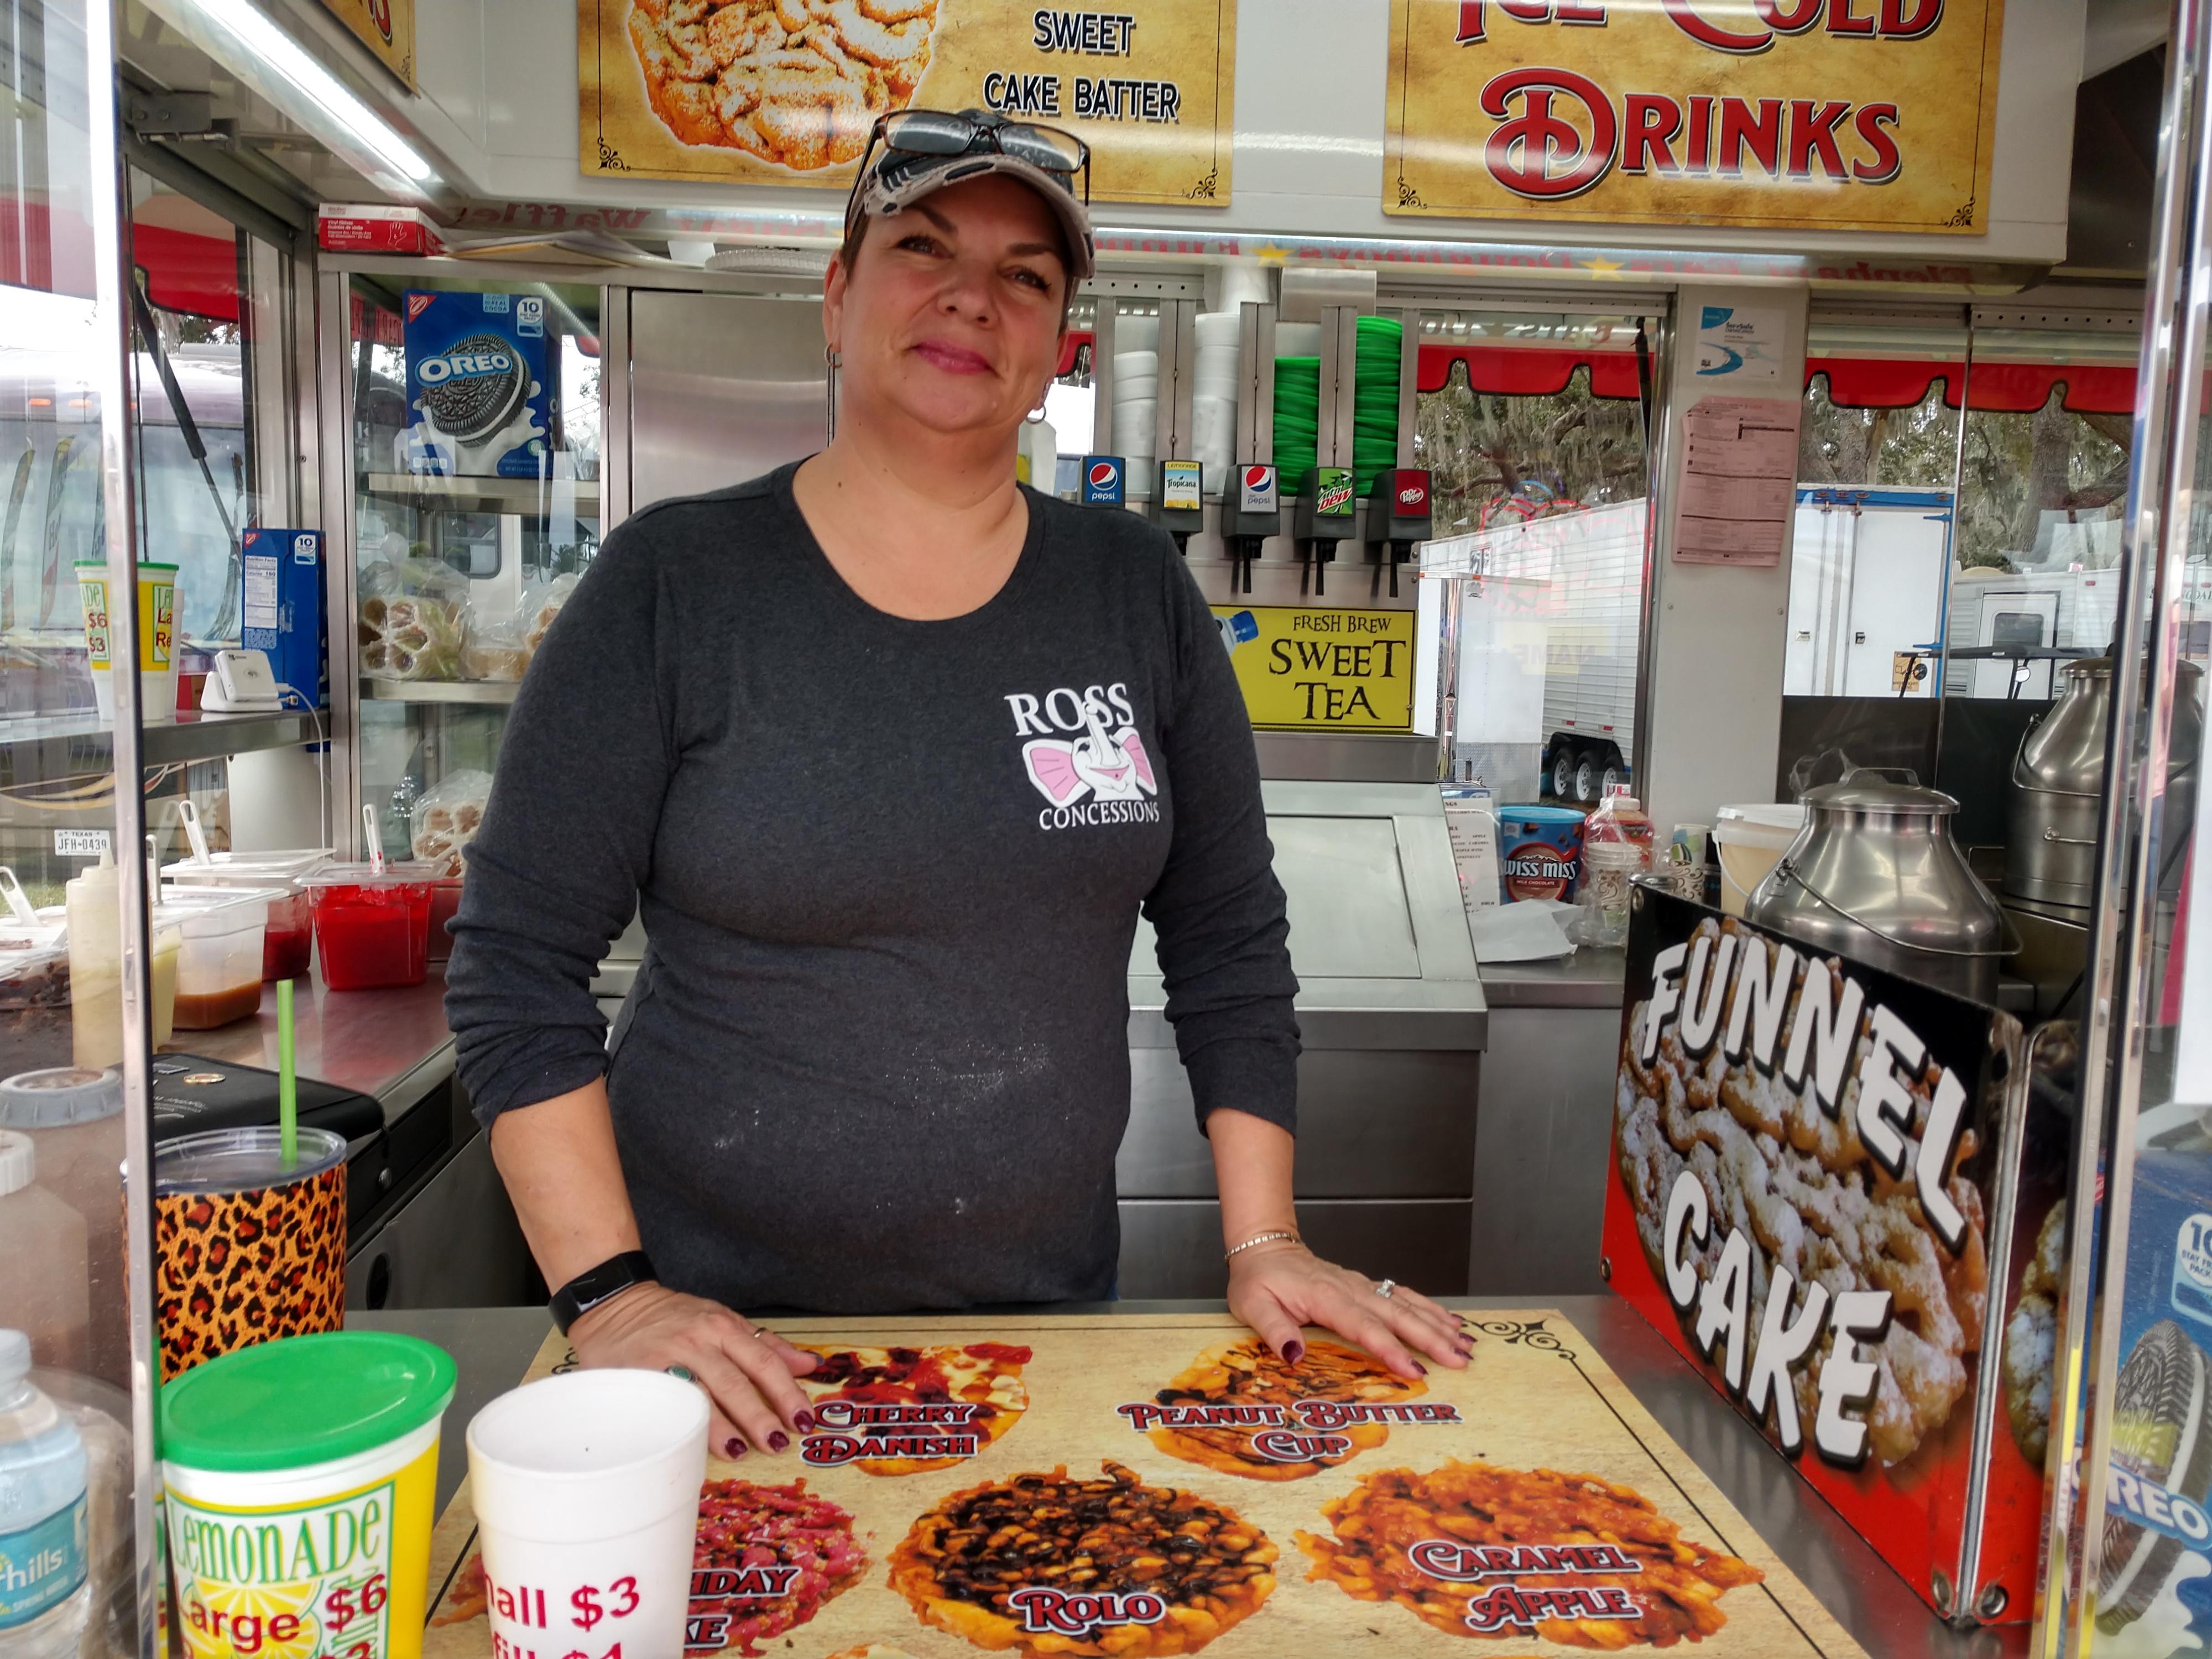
{"x": 797, "y": 82}
{"x": 986, "y": 1378}
{"x": 1798, "y": 1183}
{"x": 1159, "y": 1571}
{"x": 1249, "y": 1373}
{"x": 1445, "y": 1545}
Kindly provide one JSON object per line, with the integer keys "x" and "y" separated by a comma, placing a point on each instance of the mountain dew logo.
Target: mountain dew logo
{"x": 1332, "y": 492}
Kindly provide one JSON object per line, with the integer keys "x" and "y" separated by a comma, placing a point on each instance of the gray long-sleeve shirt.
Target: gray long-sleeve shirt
{"x": 875, "y": 1057}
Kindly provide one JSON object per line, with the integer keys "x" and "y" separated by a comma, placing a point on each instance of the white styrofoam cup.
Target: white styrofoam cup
{"x": 587, "y": 1494}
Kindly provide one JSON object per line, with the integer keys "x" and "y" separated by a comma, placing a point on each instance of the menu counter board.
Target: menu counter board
{"x": 1241, "y": 1507}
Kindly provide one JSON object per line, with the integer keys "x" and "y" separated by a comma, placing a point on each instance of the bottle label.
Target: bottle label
{"x": 336, "y": 1578}
{"x": 42, "y": 1567}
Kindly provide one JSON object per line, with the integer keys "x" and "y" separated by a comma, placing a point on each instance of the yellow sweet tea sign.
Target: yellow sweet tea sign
{"x": 1322, "y": 671}
{"x": 1827, "y": 114}
{"x": 784, "y": 92}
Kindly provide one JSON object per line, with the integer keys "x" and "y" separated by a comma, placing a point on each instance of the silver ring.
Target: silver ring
{"x": 1384, "y": 1289}
{"x": 680, "y": 1373}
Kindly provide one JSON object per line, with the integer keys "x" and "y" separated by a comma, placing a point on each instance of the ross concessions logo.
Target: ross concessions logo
{"x": 1100, "y": 772}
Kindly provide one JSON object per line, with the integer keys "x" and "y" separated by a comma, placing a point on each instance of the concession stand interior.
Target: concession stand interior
{"x": 1701, "y": 502}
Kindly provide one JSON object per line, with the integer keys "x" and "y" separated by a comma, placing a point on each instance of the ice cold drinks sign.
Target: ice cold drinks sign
{"x": 1771, "y": 114}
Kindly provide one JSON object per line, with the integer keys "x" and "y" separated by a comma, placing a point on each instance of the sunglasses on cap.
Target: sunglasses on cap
{"x": 937, "y": 134}
{"x": 926, "y": 149}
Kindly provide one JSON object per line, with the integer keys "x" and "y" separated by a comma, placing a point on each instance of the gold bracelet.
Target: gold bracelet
{"x": 1258, "y": 1238}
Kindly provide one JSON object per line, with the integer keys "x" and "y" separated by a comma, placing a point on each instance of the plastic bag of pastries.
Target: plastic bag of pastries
{"x": 445, "y": 818}
{"x": 413, "y": 620}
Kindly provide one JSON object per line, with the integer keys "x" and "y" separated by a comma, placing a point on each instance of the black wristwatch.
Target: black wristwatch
{"x": 601, "y": 1284}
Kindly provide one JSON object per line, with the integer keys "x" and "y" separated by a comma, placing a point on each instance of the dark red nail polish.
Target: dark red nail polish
{"x": 778, "y": 1442}
{"x": 1419, "y": 1367}
{"x": 805, "y": 1422}
{"x": 733, "y": 1448}
{"x": 1293, "y": 1351}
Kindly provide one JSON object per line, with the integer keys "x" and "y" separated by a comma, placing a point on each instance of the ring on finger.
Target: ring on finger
{"x": 1384, "y": 1289}
{"x": 681, "y": 1373}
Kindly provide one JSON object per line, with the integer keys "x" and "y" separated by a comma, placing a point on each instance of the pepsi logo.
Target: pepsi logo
{"x": 1256, "y": 478}
{"x": 1103, "y": 473}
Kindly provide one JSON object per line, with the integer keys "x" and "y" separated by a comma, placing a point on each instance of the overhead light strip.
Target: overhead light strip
{"x": 247, "y": 43}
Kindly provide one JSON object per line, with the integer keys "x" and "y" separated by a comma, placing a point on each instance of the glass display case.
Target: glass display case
{"x": 476, "y": 504}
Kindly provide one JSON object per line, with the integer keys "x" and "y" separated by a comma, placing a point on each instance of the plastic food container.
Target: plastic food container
{"x": 1751, "y": 839}
{"x": 288, "y": 943}
{"x": 329, "y": 1439}
{"x": 372, "y": 930}
{"x": 444, "y": 900}
{"x": 34, "y": 1008}
{"x": 219, "y": 969}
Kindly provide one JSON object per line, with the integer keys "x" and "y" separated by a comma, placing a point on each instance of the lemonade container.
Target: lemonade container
{"x": 300, "y": 1480}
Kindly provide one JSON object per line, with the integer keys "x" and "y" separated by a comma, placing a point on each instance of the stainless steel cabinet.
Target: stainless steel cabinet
{"x": 1394, "y": 1022}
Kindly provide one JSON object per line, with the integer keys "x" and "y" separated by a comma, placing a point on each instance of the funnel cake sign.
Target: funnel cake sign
{"x": 1776, "y": 114}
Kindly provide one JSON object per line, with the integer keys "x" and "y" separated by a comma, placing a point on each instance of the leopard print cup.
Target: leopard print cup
{"x": 236, "y": 1267}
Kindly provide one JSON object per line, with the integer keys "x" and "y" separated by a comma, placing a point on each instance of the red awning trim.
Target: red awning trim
{"x": 1995, "y": 388}
{"x": 1528, "y": 372}
{"x": 194, "y": 274}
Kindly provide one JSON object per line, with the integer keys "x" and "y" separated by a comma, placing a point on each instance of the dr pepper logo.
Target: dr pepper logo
{"x": 1559, "y": 133}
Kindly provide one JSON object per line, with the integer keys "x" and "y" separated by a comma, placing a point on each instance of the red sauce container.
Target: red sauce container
{"x": 288, "y": 943}
{"x": 372, "y": 929}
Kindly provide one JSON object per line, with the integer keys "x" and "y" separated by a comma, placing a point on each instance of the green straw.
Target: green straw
{"x": 288, "y": 1080}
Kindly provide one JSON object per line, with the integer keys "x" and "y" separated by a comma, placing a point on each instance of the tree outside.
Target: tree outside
{"x": 2016, "y": 467}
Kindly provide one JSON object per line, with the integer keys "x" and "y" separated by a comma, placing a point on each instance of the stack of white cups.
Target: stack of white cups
{"x": 1136, "y": 414}
{"x": 1213, "y": 397}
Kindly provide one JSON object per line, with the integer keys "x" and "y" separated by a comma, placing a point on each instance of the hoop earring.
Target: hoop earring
{"x": 831, "y": 356}
{"x": 1036, "y": 414}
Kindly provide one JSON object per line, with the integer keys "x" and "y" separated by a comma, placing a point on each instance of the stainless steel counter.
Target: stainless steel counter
{"x": 1589, "y": 979}
{"x": 390, "y": 1045}
{"x": 493, "y": 1347}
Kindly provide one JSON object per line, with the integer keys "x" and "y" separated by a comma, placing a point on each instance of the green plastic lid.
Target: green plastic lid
{"x": 303, "y": 1400}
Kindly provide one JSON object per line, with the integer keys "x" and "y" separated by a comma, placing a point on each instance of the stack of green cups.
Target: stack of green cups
{"x": 1375, "y": 399}
{"x": 1298, "y": 419}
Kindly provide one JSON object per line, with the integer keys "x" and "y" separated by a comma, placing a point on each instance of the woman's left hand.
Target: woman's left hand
{"x": 1277, "y": 1289}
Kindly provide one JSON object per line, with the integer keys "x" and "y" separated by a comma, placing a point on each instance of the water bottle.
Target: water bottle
{"x": 46, "y": 1590}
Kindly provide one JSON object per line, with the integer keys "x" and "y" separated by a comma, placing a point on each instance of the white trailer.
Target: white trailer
{"x": 1866, "y": 593}
{"x": 1574, "y": 581}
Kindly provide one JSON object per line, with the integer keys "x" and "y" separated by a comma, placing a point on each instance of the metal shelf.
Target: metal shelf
{"x": 476, "y": 691}
{"x": 61, "y": 746}
{"x": 524, "y": 495}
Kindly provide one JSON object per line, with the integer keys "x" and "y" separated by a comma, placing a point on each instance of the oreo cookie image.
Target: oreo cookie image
{"x": 481, "y": 402}
{"x": 474, "y": 387}
{"x": 2161, "y": 1432}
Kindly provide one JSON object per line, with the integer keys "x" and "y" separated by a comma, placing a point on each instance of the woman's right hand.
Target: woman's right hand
{"x": 746, "y": 1372}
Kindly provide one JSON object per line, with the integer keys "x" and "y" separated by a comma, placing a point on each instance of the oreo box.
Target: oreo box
{"x": 477, "y": 402}
{"x": 281, "y": 610}
{"x": 2157, "y": 1490}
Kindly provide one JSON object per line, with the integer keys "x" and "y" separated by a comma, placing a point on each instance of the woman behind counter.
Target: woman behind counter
{"x": 890, "y": 752}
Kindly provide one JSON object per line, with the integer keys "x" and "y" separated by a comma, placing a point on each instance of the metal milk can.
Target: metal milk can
{"x": 1874, "y": 875}
{"x": 2058, "y": 783}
